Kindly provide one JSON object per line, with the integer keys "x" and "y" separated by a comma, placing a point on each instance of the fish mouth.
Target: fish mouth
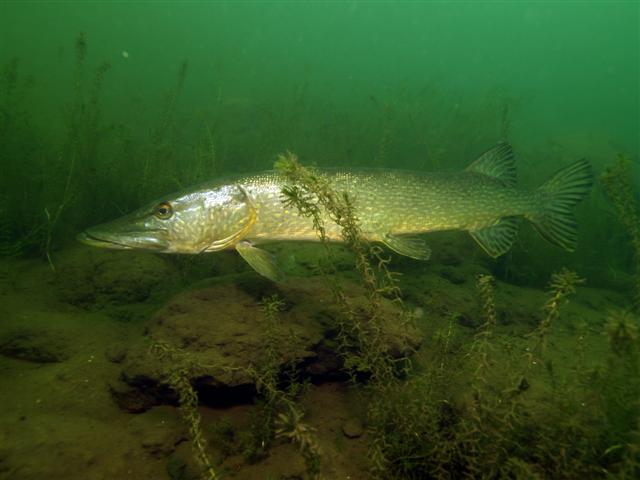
{"x": 132, "y": 240}
{"x": 93, "y": 241}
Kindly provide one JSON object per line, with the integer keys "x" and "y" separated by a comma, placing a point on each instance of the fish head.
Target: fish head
{"x": 194, "y": 222}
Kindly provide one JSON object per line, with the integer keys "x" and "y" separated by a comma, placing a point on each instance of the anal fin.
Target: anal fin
{"x": 407, "y": 245}
{"x": 497, "y": 239}
{"x": 260, "y": 260}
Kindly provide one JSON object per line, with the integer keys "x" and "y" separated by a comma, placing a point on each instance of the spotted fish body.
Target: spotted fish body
{"x": 392, "y": 202}
{"x": 392, "y": 207}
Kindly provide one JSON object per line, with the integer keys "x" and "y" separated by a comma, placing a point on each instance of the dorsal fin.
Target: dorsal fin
{"x": 498, "y": 163}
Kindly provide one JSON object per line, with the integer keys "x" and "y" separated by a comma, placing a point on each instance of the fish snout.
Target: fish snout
{"x": 96, "y": 237}
{"x": 105, "y": 236}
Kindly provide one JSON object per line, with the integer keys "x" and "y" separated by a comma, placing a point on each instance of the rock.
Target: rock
{"x": 220, "y": 330}
{"x": 159, "y": 430}
{"x": 158, "y": 443}
{"x": 258, "y": 287}
{"x": 94, "y": 278}
{"x": 34, "y": 346}
{"x": 138, "y": 398}
{"x": 352, "y": 428}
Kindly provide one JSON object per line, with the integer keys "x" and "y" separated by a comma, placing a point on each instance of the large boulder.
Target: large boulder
{"x": 220, "y": 332}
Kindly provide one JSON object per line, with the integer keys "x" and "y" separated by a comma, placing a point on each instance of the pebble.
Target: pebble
{"x": 352, "y": 428}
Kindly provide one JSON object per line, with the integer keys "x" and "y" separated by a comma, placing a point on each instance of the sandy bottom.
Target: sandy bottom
{"x": 59, "y": 419}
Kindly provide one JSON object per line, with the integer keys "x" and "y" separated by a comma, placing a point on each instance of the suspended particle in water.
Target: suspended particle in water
{"x": 125, "y": 54}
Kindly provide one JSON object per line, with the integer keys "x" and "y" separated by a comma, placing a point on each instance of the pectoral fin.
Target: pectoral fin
{"x": 260, "y": 260}
{"x": 409, "y": 246}
{"x": 497, "y": 239}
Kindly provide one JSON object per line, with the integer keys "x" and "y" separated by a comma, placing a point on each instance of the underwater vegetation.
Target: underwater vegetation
{"x": 419, "y": 430}
{"x": 179, "y": 382}
{"x": 492, "y": 427}
{"x": 278, "y": 414}
{"x": 360, "y": 333}
{"x": 361, "y": 340}
{"x": 618, "y": 183}
{"x": 64, "y": 175}
{"x": 492, "y": 383}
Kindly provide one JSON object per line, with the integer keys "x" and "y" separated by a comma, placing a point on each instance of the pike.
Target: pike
{"x": 392, "y": 206}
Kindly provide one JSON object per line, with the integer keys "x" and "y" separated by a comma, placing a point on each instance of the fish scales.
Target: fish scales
{"x": 391, "y": 202}
{"x": 392, "y": 207}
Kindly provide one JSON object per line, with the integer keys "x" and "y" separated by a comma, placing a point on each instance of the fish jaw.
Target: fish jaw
{"x": 88, "y": 239}
{"x": 125, "y": 235}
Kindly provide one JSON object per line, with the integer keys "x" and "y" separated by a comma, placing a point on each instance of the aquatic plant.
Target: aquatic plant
{"x": 617, "y": 181}
{"x": 286, "y": 424}
{"x": 426, "y": 427}
{"x": 71, "y": 148}
{"x": 49, "y": 171}
{"x": 162, "y": 148}
{"x": 630, "y": 464}
{"x": 481, "y": 344}
{"x": 312, "y": 195}
{"x": 484, "y": 421}
{"x": 181, "y": 369}
{"x": 206, "y": 158}
{"x": 93, "y": 112}
{"x": 83, "y": 136}
{"x": 362, "y": 343}
{"x": 224, "y": 436}
{"x": 265, "y": 372}
{"x": 622, "y": 331}
{"x": 628, "y": 453}
{"x": 562, "y": 285}
{"x": 289, "y": 425}
{"x": 442, "y": 338}
{"x": 279, "y": 415}
{"x": 21, "y": 228}
{"x": 619, "y": 381}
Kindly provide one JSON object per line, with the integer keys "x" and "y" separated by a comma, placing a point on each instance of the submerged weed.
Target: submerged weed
{"x": 617, "y": 383}
{"x": 479, "y": 426}
{"x": 289, "y": 425}
{"x": 562, "y": 285}
{"x": 618, "y": 184}
{"x": 181, "y": 370}
{"x": 481, "y": 345}
{"x": 361, "y": 339}
{"x": 278, "y": 415}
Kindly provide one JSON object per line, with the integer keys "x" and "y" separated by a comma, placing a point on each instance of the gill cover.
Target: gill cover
{"x": 263, "y": 262}
{"x": 238, "y": 218}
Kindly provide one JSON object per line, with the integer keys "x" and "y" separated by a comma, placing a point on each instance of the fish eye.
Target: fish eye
{"x": 163, "y": 210}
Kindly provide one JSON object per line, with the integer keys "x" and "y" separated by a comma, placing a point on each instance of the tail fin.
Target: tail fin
{"x": 556, "y": 221}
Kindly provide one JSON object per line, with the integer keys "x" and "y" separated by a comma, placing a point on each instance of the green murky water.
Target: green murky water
{"x": 106, "y": 106}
